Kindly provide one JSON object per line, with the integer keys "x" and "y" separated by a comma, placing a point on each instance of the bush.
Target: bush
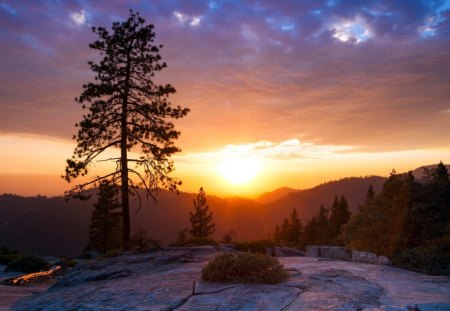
{"x": 27, "y": 264}
{"x": 201, "y": 241}
{"x": 141, "y": 243}
{"x": 110, "y": 254}
{"x": 66, "y": 262}
{"x": 6, "y": 259}
{"x": 245, "y": 268}
{"x": 432, "y": 258}
{"x": 258, "y": 246}
{"x": 194, "y": 242}
{"x": 7, "y": 255}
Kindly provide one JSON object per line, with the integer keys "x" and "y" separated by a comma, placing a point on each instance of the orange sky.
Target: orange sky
{"x": 289, "y": 163}
{"x": 298, "y": 93}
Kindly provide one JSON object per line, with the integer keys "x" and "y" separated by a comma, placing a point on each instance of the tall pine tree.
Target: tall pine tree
{"x": 127, "y": 110}
{"x": 201, "y": 219}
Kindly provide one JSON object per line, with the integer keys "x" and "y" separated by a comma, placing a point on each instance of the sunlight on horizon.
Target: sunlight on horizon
{"x": 240, "y": 170}
{"x": 235, "y": 170}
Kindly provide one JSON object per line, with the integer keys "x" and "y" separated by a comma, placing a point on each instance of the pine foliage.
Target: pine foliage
{"x": 409, "y": 221}
{"x": 127, "y": 110}
{"x": 202, "y": 225}
{"x": 105, "y": 228}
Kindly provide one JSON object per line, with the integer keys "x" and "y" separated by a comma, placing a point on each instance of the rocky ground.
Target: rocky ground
{"x": 170, "y": 280}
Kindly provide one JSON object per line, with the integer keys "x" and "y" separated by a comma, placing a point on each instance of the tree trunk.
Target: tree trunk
{"x": 124, "y": 158}
{"x": 124, "y": 179}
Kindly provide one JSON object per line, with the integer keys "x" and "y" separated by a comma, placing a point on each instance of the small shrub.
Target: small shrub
{"x": 201, "y": 241}
{"x": 7, "y": 258}
{"x": 258, "y": 246}
{"x": 66, "y": 262}
{"x": 229, "y": 237}
{"x": 182, "y": 238}
{"x": 141, "y": 243}
{"x": 27, "y": 264}
{"x": 110, "y": 254}
{"x": 194, "y": 242}
{"x": 245, "y": 268}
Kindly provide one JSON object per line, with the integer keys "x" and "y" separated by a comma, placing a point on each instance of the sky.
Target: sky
{"x": 284, "y": 93}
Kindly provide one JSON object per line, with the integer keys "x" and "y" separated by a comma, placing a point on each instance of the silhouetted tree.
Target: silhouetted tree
{"x": 201, "y": 219}
{"x": 141, "y": 242}
{"x": 430, "y": 217}
{"x": 370, "y": 194}
{"x": 229, "y": 237}
{"x": 182, "y": 238}
{"x": 322, "y": 230}
{"x": 339, "y": 216}
{"x": 127, "y": 110}
{"x": 295, "y": 228}
{"x": 284, "y": 231}
{"x": 276, "y": 234}
{"x": 105, "y": 227}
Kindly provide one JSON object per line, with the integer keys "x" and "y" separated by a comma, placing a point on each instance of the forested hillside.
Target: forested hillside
{"x": 54, "y": 226}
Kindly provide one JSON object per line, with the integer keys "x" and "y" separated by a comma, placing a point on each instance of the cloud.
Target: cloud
{"x": 78, "y": 17}
{"x": 250, "y": 71}
{"x": 291, "y": 149}
{"x": 184, "y": 18}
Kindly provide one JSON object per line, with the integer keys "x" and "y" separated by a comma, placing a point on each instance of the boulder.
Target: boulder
{"x": 331, "y": 252}
{"x": 287, "y": 252}
{"x": 342, "y": 253}
{"x": 381, "y": 260}
{"x": 312, "y": 251}
{"x": 366, "y": 257}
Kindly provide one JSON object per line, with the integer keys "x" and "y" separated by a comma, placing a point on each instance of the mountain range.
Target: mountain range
{"x": 59, "y": 227}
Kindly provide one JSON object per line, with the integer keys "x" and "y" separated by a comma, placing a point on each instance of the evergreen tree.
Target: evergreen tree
{"x": 140, "y": 242}
{"x": 201, "y": 219}
{"x": 277, "y": 234}
{"x": 105, "y": 227}
{"x": 408, "y": 221}
{"x": 127, "y": 110}
{"x": 284, "y": 232}
{"x": 182, "y": 238}
{"x": 295, "y": 228}
{"x": 370, "y": 194}
{"x": 340, "y": 215}
{"x": 322, "y": 235}
{"x": 430, "y": 217}
{"x": 310, "y": 234}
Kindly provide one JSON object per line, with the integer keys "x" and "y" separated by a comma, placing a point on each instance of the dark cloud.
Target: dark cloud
{"x": 250, "y": 71}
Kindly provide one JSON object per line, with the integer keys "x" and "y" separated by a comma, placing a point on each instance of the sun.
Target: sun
{"x": 239, "y": 170}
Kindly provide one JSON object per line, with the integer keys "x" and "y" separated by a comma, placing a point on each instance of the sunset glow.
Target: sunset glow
{"x": 239, "y": 170}
{"x": 283, "y": 93}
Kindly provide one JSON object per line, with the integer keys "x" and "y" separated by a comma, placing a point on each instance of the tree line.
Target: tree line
{"x": 319, "y": 230}
{"x": 409, "y": 221}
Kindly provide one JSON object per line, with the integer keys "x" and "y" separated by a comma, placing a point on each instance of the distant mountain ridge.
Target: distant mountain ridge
{"x": 275, "y": 194}
{"x": 418, "y": 173}
{"x": 52, "y": 226}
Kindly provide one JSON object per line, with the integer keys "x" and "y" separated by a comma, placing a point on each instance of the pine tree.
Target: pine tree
{"x": 322, "y": 230}
{"x": 340, "y": 215}
{"x": 127, "y": 110}
{"x": 105, "y": 227}
{"x": 201, "y": 219}
{"x": 295, "y": 228}
{"x": 370, "y": 194}
{"x": 277, "y": 234}
{"x": 310, "y": 234}
{"x": 284, "y": 231}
